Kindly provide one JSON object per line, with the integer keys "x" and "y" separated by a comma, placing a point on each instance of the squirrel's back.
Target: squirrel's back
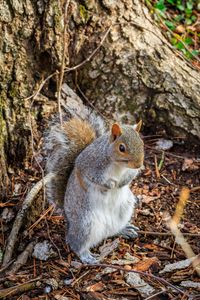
{"x": 63, "y": 144}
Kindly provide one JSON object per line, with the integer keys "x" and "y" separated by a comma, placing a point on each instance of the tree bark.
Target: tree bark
{"x": 138, "y": 72}
{"x": 134, "y": 73}
{"x": 30, "y": 49}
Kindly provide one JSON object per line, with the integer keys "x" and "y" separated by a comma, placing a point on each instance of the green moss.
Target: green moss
{"x": 2, "y": 121}
{"x": 58, "y": 16}
{"x": 13, "y": 91}
{"x": 84, "y": 14}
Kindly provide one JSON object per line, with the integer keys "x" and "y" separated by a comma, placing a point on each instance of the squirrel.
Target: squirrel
{"x": 93, "y": 169}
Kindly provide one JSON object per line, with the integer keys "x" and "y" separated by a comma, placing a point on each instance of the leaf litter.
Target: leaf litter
{"x": 155, "y": 252}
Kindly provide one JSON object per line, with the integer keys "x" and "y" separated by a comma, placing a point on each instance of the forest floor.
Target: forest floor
{"x": 63, "y": 277}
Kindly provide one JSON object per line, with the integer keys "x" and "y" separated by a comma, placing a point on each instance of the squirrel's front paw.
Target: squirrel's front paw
{"x": 88, "y": 258}
{"x": 129, "y": 232}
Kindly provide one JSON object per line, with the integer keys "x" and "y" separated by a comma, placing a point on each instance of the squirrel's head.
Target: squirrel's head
{"x": 127, "y": 145}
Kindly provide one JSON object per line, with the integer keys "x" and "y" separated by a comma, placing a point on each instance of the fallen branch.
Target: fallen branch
{"x": 22, "y": 258}
{"x": 11, "y": 291}
{"x": 20, "y": 216}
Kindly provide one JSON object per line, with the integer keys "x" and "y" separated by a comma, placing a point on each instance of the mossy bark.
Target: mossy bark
{"x": 30, "y": 49}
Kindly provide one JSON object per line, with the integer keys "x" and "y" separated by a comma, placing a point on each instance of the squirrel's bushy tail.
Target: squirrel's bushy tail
{"x": 63, "y": 144}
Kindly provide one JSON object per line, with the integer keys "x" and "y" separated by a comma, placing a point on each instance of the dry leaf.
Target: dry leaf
{"x": 146, "y": 264}
{"x": 99, "y": 286}
{"x": 180, "y": 29}
{"x": 189, "y": 165}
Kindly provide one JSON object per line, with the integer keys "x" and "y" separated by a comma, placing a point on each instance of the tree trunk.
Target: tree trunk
{"x": 135, "y": 71}
{"x": 138, "y": 71}
{"x": 30, "y": 49}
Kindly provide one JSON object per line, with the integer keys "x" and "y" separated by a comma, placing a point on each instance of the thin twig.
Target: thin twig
{"x": 167, "y": 233}
{"x": 61, "y": 73}
{"x": 43, "y": 214}
{"x": 172, "y": 223}
{"x": 154, "y": 295}
{"x": 156, "y": 167}
{"x": 182, "y": 242}
{"x": 20, "y": 216}
{"x": 92, "y": 54}
{"x": 34, "y": 95}
{"x": 89, "y": 102}
{"x": 78, "y": 279}
{"x": 72, "y": 68}
{"x": 162, "y": 280}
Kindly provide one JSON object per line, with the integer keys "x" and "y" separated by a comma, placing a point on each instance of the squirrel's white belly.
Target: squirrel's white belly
{"x": 113, "y": 210}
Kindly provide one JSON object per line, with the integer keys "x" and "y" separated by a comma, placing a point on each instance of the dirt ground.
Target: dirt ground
{"x": 63, "y": 277}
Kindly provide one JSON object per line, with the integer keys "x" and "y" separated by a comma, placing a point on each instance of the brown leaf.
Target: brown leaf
{"x": 180, "y": 29}
{"x": 146, "y": 264}
{"x": 99, "y": 286}
{"x": 189, "y": 165}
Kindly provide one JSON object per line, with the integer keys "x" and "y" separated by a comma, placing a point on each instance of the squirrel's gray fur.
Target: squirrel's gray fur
{"x": 94, "y": 183}
{"x": 62, "y": 152}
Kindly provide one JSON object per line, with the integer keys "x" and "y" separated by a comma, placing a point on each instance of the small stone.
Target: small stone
{"x": 139, "y": 284}
{"x": 43, "y": 251}
{"x": 68, "y": 281}
{"x": 47, "y": 289}
{"x": 163, "y": 144}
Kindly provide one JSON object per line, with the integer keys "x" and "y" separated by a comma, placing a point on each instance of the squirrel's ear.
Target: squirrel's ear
{"x": 116, "y": 131}
{"x": 137, "y": 127}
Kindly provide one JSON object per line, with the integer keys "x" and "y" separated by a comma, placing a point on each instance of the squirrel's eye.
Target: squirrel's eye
{"x": 122, "y": 148}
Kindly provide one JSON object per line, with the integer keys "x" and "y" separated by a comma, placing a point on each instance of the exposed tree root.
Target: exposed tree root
{"x": 20, "y": 216}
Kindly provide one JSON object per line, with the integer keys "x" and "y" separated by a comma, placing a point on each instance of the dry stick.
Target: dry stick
{"x": 154, "y": 295}
{"x": 89, "y": 102}
{"x": 50, "y": 208}
{"x": 156, "y": 167}
{"x": 11, "y": 291}
{"x": 169, "y": 153}
{"x": 167, "y": 233}
{"x": 92, "y": 54}
{"x": 162, "y": 280}
{"x": 22, "y": 259}
{"x": 63, "y": 62}
{"x": 173, "y": 225}
{"x": 72, "y": 68}
{"x": 6, "y": 266}
{"x": 182, "y": 242}
{"x": 33, "y": 150}
{"x": 34, "y": 95}
{"x": 19, "y": 218}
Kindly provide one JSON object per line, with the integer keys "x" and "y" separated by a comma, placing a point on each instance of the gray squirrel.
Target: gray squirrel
{"x": 93, "y": 168}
